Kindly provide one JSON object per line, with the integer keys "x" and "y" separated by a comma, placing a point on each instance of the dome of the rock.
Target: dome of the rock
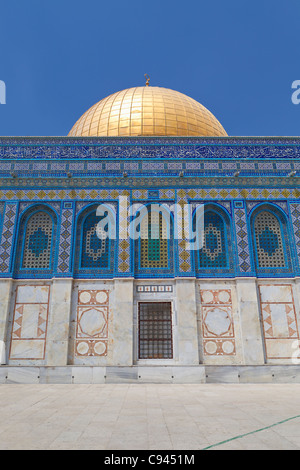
{"x": 147, "y": 111}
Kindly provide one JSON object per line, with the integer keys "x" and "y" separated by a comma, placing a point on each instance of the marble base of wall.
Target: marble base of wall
{"x": 150, "y": 374}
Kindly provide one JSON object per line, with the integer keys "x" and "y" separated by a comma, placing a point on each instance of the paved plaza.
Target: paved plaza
{"x": 150, "y": 417}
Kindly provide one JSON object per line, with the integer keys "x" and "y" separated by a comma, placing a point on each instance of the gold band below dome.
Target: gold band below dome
{"x": 147, "y": 111}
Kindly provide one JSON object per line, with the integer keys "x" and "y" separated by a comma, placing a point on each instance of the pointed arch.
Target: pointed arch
{"x": 215, "y": 253}
{"x": 95, "y": 241}
{"x": 270, "y": 240}
{"x": 154, "y": 247}
{"x": 36, "y": 242}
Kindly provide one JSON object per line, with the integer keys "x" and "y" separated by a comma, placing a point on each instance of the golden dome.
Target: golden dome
{"x": 147, "y": 111}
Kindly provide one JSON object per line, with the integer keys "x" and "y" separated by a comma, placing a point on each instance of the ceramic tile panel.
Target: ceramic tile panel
{"x": 8, "y": 227}
{"x": 65, "y": 240}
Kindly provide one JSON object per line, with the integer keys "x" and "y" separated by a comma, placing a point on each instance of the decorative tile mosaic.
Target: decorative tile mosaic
{"x": 156, "y": 164}
{"x": 213, "y": 252}
{"x": 226, "y": 205}
{"x": 154, "y": 249}
{"x": 154, "y": 243}
{"x": 211, "y": 193}
{"x": 216, "y": 258}
{"x": 38, "y": 241}
{"x": 124, "y": 262}
{"x": 242, "y": 240}
{"x": 65, "y": 238}
{"x": 184, "y": 255}
{"x": 95, "y": 243}
{"x": 269, "y": 241}
{"x": 282, "y": 204}
{"x": 167, "y": 167}
{"x": 35, "y": 246}
{"x": 93, "y": 257}
{"x": 8, "y": 228}
{"x": 295, "y": 216}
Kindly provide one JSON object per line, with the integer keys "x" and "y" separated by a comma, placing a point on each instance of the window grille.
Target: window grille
{"x": 37, "y": 246}
{"x": 155, "y": 330}
{"x": 213, "y": 252}
{"x": 95, "y": 243}
{"x": 154, "y": 241}
{"x": 269, "y": 242}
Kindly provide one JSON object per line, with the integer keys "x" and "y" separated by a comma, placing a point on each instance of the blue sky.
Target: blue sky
{"x": 238, "y": 58}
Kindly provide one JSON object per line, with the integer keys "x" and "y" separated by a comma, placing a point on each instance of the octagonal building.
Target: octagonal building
{"x": 149, "y": 246}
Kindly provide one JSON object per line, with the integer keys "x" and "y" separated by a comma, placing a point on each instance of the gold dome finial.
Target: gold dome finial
{"x": 147, "y": 79}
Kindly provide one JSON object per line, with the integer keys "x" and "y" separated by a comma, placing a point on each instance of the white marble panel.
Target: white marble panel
{"x": 276, "y": 293}
{"x": 99, "y": 374}
{"x": 279, "y": 321}
{"x": 185, "y": 374}
{"x": 155, "y": 374}
{"x": 2, "y": 352}
{"x": 186, "y": 337}
{"x": 248, "y": 305}
{"x": 22, "y": 375}
{"x": 82, "y": 375}
{"x": 280, "y": 348}
{"x": 59, "y": 322}
{"x": 217, "y": 320}
{"x": 33, "y": 294}
{"x": 5, "y": 299}
{"x": 27, "y": 349}
{"x": 30, "y": 320}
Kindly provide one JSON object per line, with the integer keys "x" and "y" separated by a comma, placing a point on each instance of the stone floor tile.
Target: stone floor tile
{"x": 149, "y": 416}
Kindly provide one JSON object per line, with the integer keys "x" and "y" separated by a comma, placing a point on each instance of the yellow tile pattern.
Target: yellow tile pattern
{"x": 147, "y": 111}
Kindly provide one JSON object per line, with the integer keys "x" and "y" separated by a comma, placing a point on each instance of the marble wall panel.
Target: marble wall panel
{"x": 30, "y": 321}
{"x": 92, "y": 323}
{"x": 279, "y": 320}
{"x": 217, "y": 322}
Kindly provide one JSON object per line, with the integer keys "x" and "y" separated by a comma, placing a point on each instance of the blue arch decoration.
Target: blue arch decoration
{"x": 271, "y": 242}
{"x": 216, "y": 257}
{"x": 95, "y": 251}
{"x": 39, "y": 242}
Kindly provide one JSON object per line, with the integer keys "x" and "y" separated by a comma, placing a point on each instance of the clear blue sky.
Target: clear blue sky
{"x": 236, "y": 57}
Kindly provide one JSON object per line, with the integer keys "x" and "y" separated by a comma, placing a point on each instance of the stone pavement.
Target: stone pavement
{"x": 149, "y": 416}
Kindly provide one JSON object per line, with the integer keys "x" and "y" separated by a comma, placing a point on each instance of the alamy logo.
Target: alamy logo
{"x": 142, "y": 222}
{"x": 296, "y": 94}
{"x": 2, "y": 92}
